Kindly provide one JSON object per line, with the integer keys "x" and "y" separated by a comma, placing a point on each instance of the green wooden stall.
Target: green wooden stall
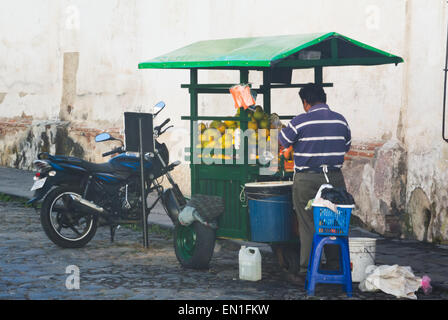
{"x": 276, "y": 57}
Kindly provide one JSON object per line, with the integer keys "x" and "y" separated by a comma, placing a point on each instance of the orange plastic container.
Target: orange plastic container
{"x": 242, "y": 96}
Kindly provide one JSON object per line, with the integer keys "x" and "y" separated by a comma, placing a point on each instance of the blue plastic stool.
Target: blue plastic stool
{"x": 315, "y": 275}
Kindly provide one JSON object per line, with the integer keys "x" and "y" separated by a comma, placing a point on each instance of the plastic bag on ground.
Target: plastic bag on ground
{"x": 426, "y": 284}
{"x": 395, "y": 280}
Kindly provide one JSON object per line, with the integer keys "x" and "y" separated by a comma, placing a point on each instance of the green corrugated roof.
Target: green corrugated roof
{"x": 262, "y": 52}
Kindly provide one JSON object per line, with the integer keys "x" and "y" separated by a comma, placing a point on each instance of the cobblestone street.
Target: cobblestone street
{"x": 32, "y": 267}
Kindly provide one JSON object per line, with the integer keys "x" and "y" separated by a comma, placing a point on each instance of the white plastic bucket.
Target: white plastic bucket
{"x": 362, "y": 254}
{"x": 250, "y": 263}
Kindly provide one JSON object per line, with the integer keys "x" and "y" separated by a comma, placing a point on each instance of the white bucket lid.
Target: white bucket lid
{"x": 352, "y": 206}
{"x": 362, "y": 241}
{"x": 269, "y": 184}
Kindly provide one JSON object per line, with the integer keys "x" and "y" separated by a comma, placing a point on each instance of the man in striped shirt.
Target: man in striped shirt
{"x": 320, "y": 138}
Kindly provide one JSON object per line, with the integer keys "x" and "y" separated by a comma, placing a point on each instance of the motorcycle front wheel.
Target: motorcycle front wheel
{"x": 63, "y": 220}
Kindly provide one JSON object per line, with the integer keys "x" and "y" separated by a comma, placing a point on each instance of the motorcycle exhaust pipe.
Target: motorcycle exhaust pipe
{"x": 87, "y": 203}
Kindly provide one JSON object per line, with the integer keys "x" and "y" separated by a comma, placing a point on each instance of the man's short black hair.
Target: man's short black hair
{"x": 313, "y": 94}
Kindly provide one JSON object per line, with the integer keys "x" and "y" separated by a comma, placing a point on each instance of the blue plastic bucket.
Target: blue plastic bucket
{"x": 270, "y": 211}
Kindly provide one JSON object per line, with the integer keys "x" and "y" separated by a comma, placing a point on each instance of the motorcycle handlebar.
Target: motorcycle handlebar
{"x": 165, "y": 130}
{"x": 159, "y": 128}
{"x": 116, "y": 150}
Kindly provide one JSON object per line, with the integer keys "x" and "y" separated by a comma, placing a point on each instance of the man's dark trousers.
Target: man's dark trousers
{"x": 306, "y": 185}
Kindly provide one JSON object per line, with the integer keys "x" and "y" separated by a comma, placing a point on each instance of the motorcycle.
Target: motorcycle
{"x": 79, "y": 195}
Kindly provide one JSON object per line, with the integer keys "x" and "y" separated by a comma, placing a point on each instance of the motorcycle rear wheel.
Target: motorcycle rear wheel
{"x": 58, "y": 217}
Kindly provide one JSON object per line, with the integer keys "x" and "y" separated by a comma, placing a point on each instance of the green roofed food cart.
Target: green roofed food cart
{"x": 276, "y": 57}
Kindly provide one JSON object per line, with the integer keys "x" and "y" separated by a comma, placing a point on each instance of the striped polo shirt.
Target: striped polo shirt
{"x": 319, "y": 137}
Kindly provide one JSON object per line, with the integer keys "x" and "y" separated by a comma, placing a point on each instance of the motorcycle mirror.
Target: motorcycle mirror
{"x": 103, "y": 137}
{"x": 159, "y": 107}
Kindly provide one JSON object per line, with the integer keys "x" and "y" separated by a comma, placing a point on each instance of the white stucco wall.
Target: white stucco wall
{"x": 30, "y": 59}
{"x": 427, "y": 152}
{"x": 113, "y": 36}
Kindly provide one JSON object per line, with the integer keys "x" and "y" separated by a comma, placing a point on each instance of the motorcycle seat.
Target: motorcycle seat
{"x": 98, "y": 167}
{"x": 66, "y": 159}
{"x": 89, "y": 166}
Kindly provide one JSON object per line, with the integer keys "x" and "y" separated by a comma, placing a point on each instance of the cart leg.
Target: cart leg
{"x": 113, "y": 228}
